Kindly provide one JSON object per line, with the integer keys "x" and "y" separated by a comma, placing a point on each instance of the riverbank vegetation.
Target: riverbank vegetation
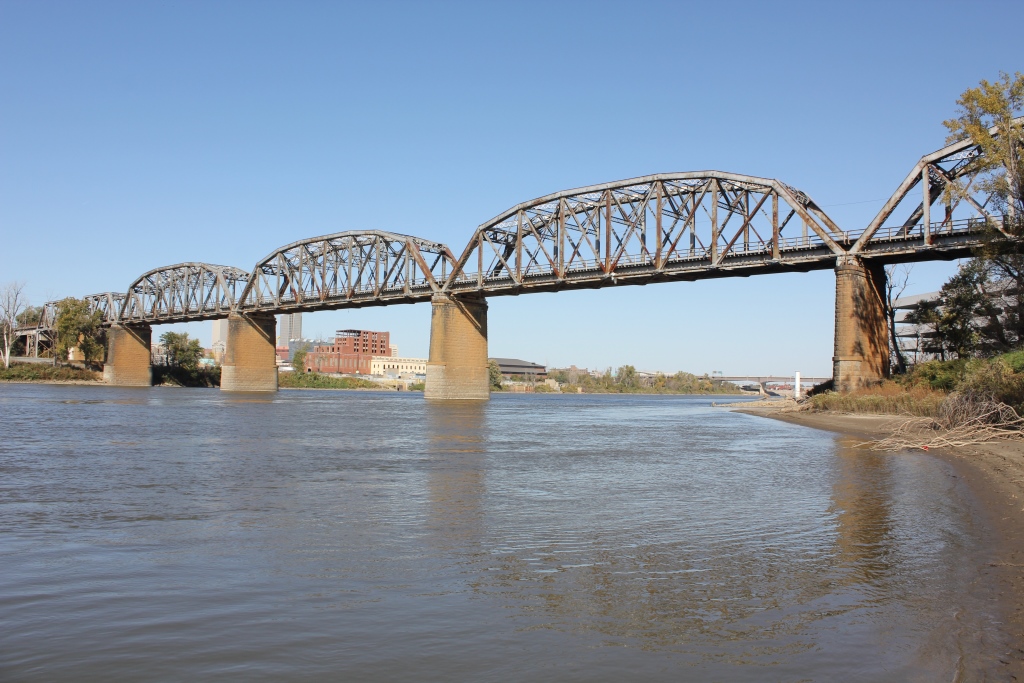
{"x": 626, "y": 380}
{"x": 316, "y": 380}
{"x": 38, "y": 372}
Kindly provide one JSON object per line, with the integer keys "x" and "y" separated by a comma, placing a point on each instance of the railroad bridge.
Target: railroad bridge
{"x": 658, "y": 228}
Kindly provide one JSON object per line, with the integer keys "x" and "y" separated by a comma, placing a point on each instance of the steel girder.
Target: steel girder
{"x": 667, "y": 226}
{"x": 347, "y": 269}
{"x": 960, "y": 215}
{"x": 183, "y": 292}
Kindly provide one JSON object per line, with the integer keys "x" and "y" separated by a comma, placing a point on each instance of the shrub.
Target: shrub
{"x": 316, "y": 380}
{"x": 993, "y": 380}
{"x": 1015, "y": 359}
{"x": 936, "y": 374}
{"x": 34, "y": 372}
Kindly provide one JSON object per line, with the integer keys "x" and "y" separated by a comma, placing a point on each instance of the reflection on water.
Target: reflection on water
{"x": 457, "y": 441}
{"x": 192, "y": 534}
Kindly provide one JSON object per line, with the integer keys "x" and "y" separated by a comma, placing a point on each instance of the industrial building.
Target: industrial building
{"x": 351, "y": 353}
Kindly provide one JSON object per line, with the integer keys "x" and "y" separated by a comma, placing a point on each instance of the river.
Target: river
{"x": 190, "y": 534}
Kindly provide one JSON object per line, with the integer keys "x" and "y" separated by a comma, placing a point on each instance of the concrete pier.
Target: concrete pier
{"x": 128, "y": 362}
{"x": 250, "y": 361}
{"x": 457, "y": 367}
{"x": 862, "y": 337}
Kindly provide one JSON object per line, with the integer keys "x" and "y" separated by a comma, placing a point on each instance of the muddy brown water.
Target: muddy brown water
{"x": 170, "y": 534}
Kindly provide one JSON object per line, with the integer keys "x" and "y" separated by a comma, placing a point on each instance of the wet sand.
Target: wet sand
{"x": 993, "y": 475}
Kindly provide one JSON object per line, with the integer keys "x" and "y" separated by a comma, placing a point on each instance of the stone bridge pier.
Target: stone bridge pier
{"x": 128, "y": 362}
{"x": 250, "y": 358}
{"x": 862, "y": 335}
{"x": 457, "y": 367}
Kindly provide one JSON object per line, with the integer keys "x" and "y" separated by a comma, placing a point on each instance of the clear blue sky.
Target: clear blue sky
{"x": 135, "y": 135}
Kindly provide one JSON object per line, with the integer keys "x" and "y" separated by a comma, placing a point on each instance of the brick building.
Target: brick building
{"x": 351, "y": 352}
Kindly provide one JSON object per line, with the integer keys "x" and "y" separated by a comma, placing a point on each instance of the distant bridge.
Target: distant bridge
{"x": 657, "y": 228}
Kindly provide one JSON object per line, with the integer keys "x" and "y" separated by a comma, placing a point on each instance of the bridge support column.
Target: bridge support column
{"x": 250, "y": 359}
{"x": 457, "y": 368}
{"x": 128, "y": 362}
{"x": 862, "y": 336}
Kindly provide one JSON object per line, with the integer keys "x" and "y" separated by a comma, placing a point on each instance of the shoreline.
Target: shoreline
{"x": 993, "y": 475}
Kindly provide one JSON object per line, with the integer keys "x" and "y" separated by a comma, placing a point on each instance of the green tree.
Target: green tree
{"x": 952, "y": 319}
{"x": 627, "y": 379}
{"x": 77, "y": 328}
{"x": 299, "y": 359}
{"x": 30, "y": 316}
{"x": 182, "y": 352}
{"x": 494, "y": 374}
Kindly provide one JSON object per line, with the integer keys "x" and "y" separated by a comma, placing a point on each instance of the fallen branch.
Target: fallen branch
{"x": 964, "y": 421}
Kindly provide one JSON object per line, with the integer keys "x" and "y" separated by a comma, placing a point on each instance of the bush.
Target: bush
{"x": 35, "y": 372}
{"x": 315, "y": 380}
{"x": 1015, "y": 359}
{"x": 936, "y": 374}
{"x": 994, "y": 380}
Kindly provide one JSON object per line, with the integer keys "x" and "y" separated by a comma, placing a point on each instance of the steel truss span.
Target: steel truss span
{"x": 181, "y": 293}
{"x": 660, "y": 227}
{"x": 347, "y": 270}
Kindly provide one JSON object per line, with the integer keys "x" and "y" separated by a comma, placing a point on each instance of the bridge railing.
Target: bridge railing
{"x": 907, "y": 233}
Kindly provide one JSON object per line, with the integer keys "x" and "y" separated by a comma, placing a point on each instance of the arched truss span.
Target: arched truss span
{"x": 184, "y": 292}
{"x": 957, "y": 217}
{"x": 659, "y": 226}
{"x": 356, "y": 268}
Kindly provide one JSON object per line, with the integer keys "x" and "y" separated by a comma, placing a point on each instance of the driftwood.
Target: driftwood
{"x": 963, "y": 421}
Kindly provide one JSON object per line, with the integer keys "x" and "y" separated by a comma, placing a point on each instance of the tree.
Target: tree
{"x": 953, "y": 317}
{"x": 494, "y": 374}
{"x": 78, "y": 328}
{"x": 1000, "y": 170}
{"x": 299, "y": 359}
{"x": 30, "y": 316}
{"x": 627, "y": 378}
{"x": 897, "y": 279}
{"x": 182, "y": 352}
{"x": 12, "y": 305}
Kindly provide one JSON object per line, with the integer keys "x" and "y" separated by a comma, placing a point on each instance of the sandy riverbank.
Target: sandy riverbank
{"x": 994, "y": 477}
